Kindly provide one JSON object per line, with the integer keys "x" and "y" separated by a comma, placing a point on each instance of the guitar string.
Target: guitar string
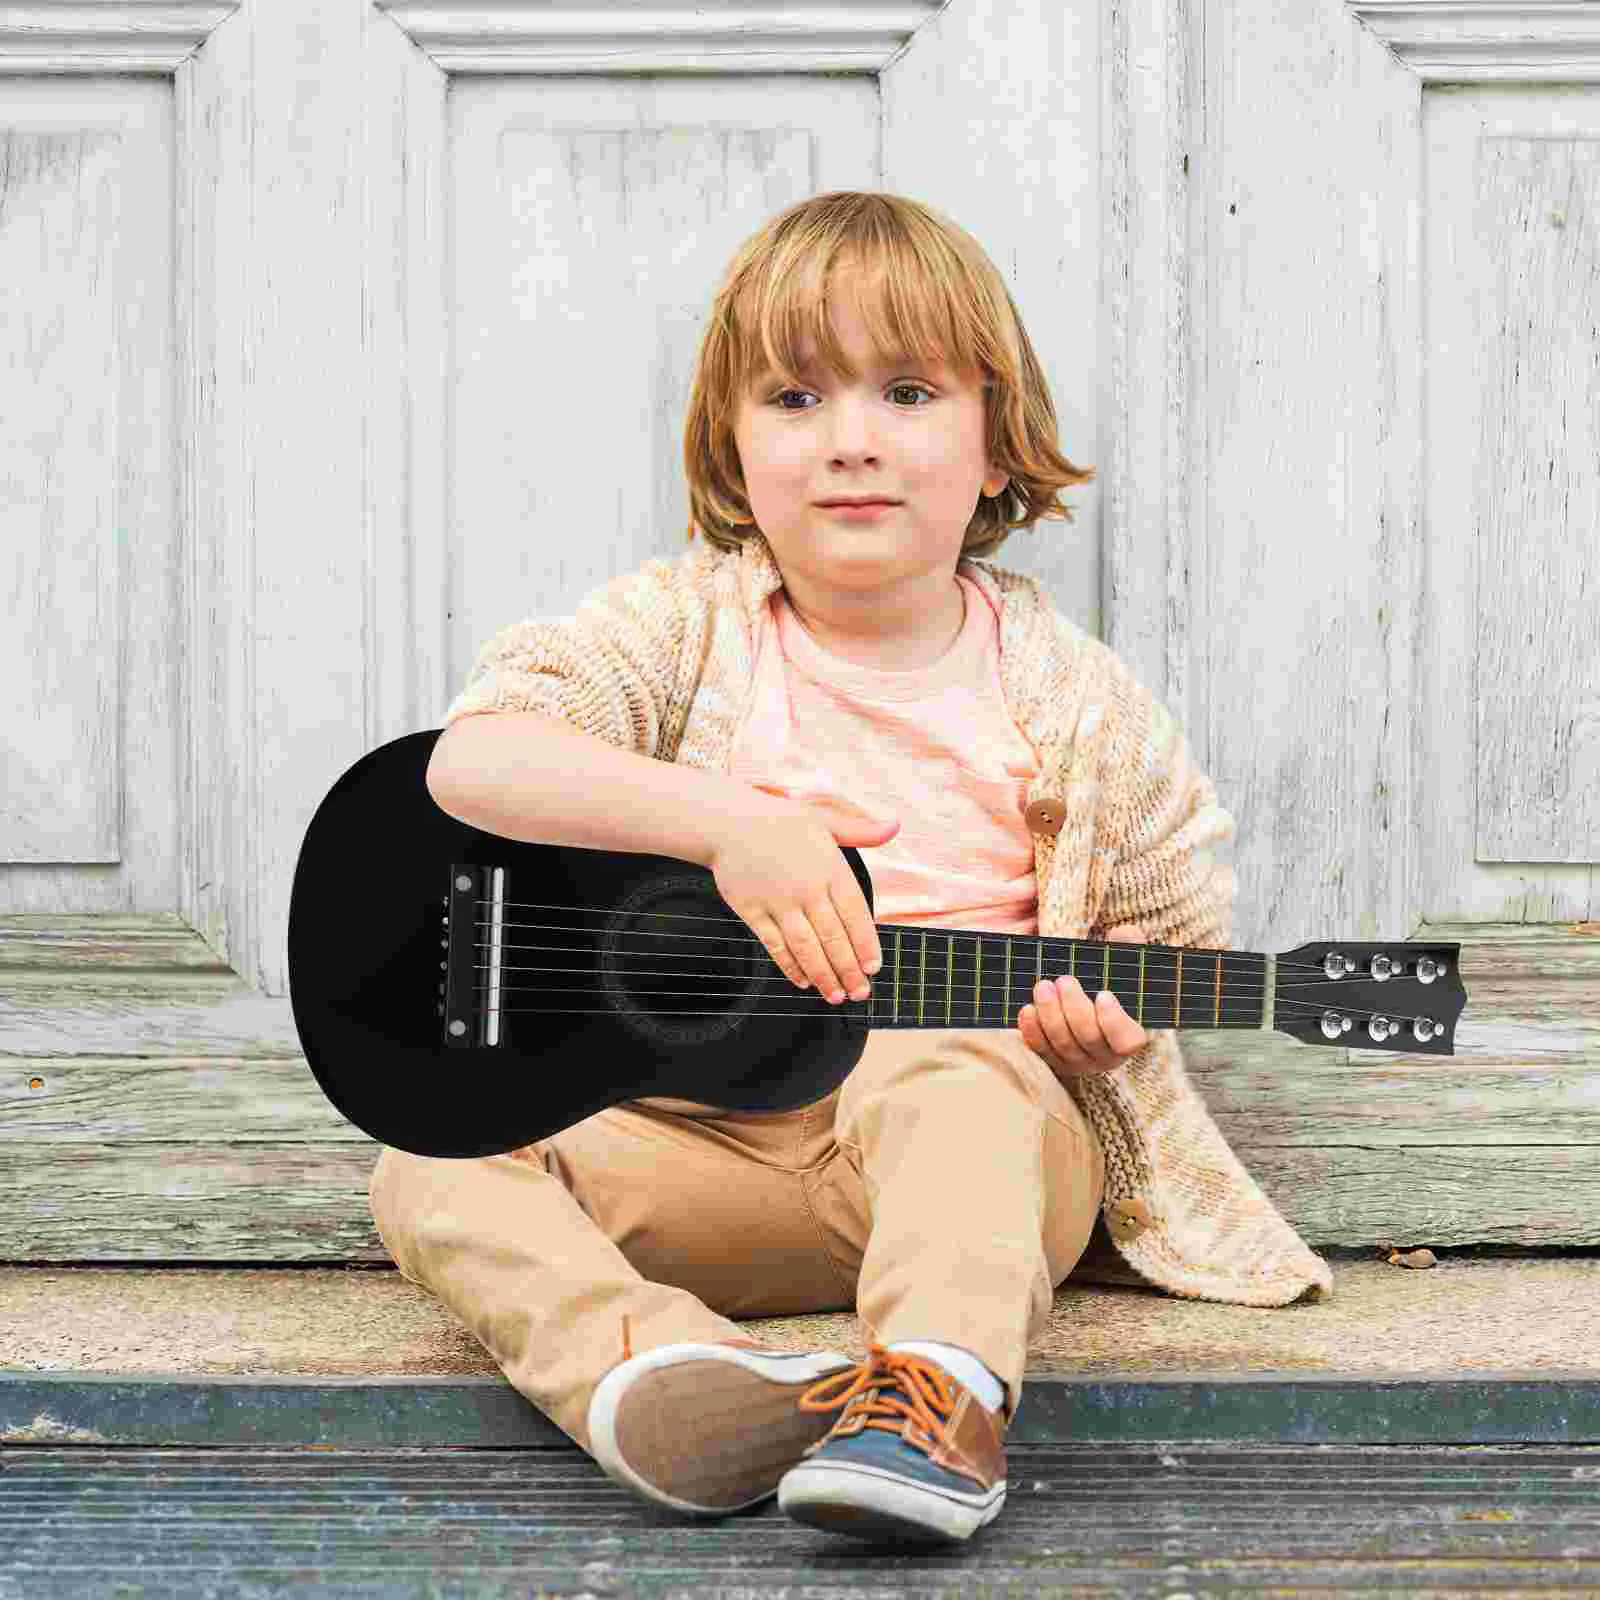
{"x": 1165, "y": 952}
{"x": 942, "y": 965}
{"x": 1238, "y": 990}
{"x": 983, "y": 1019}
{"x": 1284, "y": 1002}
{"x": 747, "y": 935}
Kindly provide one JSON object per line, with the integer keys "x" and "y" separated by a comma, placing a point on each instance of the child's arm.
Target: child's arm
{"x": 557, "y": 736}
{"x": 618, "y": 668}
{"x": 524, "y": 775}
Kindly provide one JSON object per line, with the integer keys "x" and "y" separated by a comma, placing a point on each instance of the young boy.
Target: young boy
{"x": 819, "y": 674}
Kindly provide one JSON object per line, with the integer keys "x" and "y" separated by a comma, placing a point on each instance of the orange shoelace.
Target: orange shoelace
{"x": 891, "y": 1386}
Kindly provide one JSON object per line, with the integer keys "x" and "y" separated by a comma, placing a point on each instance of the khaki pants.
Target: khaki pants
{"x": 943, "y": 1189}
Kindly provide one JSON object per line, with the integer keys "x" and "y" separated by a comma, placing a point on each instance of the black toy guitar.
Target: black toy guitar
{"x": 461, "y": 994}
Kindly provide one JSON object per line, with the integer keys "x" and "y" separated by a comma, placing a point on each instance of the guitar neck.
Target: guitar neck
{"x": 953, "y": 978}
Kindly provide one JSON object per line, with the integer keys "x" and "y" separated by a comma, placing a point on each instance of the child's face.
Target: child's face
{"x": 882, "y": 435}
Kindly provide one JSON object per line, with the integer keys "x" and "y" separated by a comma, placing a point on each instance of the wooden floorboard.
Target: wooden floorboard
{"x": 1170, "y": 1521}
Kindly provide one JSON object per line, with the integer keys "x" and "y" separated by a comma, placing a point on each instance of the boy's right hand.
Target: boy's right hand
{"x": 781, "y": 871}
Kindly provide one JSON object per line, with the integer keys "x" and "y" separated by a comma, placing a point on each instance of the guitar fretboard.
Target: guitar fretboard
{"x": 939, "y": 978}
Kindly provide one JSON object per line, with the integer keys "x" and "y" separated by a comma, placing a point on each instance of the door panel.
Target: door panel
{"x": 89, "y": 537}
{"x": 1510, "y": 739}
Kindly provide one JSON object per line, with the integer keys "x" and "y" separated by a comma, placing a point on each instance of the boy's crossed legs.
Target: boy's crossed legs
{"x": 943, "y": 1189}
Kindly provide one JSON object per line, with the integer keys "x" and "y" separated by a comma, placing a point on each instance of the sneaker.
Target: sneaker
{"x": 914, "y": 1455}
{"x": 706, "y": 1429}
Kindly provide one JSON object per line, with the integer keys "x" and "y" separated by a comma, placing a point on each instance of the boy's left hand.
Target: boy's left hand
{"x": 1075, "y": 1035}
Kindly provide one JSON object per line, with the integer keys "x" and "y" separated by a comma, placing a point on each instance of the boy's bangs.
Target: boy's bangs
{"x": 907, "y": 313}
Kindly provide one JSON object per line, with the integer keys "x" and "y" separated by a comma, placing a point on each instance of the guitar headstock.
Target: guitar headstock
{"x": 1388, "y": 995}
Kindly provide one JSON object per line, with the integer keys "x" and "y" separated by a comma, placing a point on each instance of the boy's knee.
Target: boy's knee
{"x": 405, "y": 1191}
{"x": 950, "y": 1070}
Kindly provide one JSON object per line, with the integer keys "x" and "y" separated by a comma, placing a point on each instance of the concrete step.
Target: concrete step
{"x": 1469, "y": 1351}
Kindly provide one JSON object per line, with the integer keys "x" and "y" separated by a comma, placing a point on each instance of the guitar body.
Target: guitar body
{"x": 459, "y": 994}
{"x": 596, "y": 1004}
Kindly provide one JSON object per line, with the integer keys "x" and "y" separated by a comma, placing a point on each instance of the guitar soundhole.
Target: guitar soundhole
{"x": 678, "y": 966}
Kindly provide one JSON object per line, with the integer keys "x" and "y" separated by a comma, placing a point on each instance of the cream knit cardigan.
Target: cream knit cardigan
{"x": 660, "y": 662}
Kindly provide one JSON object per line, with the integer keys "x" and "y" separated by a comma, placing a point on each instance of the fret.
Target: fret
{"x": 896, "y": 974}
{"x": 922, "y": 985}
{"x": 949, "y": 975}
{"x": 1269, "y": 993}
{"x": 1201, "y": 988}
{"x": 1177, "y": 998}
{"x": 977, "y": 965}
{"x": 1139, "y": 1016}
{"x": 1010, "y": 942}
{"x": 1217, "y": 1015}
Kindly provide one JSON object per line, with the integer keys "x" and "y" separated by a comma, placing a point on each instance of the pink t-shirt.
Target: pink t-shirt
{"x": 934, "y": 746}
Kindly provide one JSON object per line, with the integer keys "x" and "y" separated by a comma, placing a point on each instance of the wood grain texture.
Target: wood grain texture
{"x": 1506, "y": 742}
{"x": 594, "y": 37}
{"x": 316, "y": 401}
{"x": 106, "y": 37}
{"x": 1489, "y": 41}
{"x": 195, "y": 1152}
{"x": 1537, "y": 219}
{"x": 90, "y": 737}
{"x": 129, "y": 985}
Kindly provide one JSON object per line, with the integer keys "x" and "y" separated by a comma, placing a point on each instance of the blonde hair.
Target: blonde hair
{"x": 927, "y": 288}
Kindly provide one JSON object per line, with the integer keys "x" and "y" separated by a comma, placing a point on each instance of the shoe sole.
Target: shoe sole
{"x": 844, "y": 1497}
{"x": 706, "y": 1429}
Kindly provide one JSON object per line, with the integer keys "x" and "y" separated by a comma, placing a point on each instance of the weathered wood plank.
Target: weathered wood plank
{"x": 129, "y": 984}
{"x": 1261, "y": 1096}
{"x": 105, "y": 945}
{"x": 285, "y": 1202}
{"x": 197, "y": 1151}
{"x": 204, "y": 1101}
{"x": 176, "y": 1202}
{"x": 206, "y": 1016}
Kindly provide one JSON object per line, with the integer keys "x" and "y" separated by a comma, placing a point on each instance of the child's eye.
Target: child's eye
{"x": 921, "y": 388}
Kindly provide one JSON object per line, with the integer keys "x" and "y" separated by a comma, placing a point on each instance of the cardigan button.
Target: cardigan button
{"x": 1044, "y": 817}
{"x": 1127, "y": 1219}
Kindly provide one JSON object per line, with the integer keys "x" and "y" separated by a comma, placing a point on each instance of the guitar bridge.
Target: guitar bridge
{"x": 473, "y": 944}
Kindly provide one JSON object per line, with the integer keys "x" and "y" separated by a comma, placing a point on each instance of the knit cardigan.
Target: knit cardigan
{"x": 660, "y": 662}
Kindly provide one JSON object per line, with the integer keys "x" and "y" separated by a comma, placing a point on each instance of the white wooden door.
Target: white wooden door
{"x": 331, "y": 332}
{"x": 1371, "y": 232}
{"x": 334, "y": 335}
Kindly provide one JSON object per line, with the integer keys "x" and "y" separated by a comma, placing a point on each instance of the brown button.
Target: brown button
{"x": 1127, "y": 1219}
{"x": 1044, "y": 817}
